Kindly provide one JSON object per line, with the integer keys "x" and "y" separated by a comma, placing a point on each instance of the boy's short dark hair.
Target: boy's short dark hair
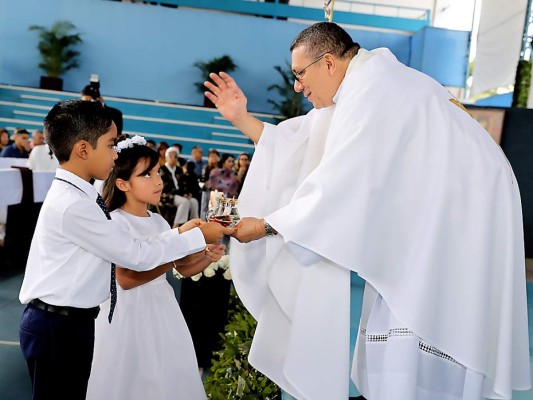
{"x": 70, "y": 121}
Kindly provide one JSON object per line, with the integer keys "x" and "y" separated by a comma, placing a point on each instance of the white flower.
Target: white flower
{"x": 227, "y": 274}
{"x": 223, "y": 262}
{"x": 196, "y": 277}
{"x": 130, "y": 142}
{"x": 209, "y": 271}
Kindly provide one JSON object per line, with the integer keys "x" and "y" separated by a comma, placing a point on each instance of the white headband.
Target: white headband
{"x": 129, "y": 143}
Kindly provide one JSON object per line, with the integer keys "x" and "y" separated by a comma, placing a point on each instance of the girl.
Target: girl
{"x": 147, "y": 351}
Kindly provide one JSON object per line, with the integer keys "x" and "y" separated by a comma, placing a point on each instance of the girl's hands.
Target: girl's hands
{"x": 214, "y": 252}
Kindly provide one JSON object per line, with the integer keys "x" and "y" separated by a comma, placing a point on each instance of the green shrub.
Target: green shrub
{"x": 231, "y": 376}
{"x": 522, "y": 84}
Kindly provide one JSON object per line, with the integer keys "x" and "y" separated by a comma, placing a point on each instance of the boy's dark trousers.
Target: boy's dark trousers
{"x": 58, "y": 350}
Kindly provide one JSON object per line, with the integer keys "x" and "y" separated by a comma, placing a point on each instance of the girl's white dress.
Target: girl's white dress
{"x": 147, "y": 351}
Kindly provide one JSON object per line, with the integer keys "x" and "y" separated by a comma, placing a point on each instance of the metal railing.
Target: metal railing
{"x": 382, "y": 16}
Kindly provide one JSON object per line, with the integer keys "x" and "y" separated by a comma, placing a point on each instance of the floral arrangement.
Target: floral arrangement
{"x": 211, "y": 270}
{"x": 130, "y": 142}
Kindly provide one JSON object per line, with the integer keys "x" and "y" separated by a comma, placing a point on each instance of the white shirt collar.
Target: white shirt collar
{"x": 171, "y": 169}
{"x": 85, "y": 186}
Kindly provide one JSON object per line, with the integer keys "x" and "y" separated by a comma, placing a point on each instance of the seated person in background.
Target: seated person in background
{"x": 91, "y": 93}
{"x": 150, "y": 143}
{"x": 241, "y": 168}
{"x": 181, "y": 160}
{"x": 37, "y": 138}
{"x": 224, "y": 178}
{"x": 161, "y": 149}
{"x": 188, "y": 181}
{"x": 20, "y": 147}
{"x": 42, "y": 158}
{"x": 213, "y": 161}
{"x": 170, "y": 173}
{"x": 197, "y": 154}
{"x": 5, "y": 140}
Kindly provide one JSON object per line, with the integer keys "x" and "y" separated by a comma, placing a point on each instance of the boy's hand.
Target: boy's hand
{"x": 213, "y": 231}
{"x": 193, "y": 223}
{"x": 214, "y": 251}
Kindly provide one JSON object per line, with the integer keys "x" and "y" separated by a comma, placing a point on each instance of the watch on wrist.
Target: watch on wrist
{"x": 269, "y": 230}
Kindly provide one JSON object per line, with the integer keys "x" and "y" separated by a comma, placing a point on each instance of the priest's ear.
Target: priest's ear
{"x": 331, "y": 63}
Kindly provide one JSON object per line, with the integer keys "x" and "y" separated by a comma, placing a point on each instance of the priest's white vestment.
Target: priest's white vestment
{"x": 399, "y": 184}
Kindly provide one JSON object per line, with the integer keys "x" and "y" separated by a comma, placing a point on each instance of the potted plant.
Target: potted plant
{"x": 291, "y": 103}
{"x": 57, "y": 53}
{"x": 224, "y": 63}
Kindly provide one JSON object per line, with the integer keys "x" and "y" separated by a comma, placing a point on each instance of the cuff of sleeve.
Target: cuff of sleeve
{"x": 268, "y": 130}
{"x": 194, "y": 237}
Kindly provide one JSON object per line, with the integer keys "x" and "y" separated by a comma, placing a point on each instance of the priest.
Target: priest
{"x": 389, "y": 177}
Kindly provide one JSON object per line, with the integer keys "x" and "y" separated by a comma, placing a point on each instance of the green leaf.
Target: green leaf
{"x": 291, "y": 104}
{"x": 218, "y": 64}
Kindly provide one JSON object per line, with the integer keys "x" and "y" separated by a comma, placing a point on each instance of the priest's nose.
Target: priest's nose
{"x": 298, "y": 87}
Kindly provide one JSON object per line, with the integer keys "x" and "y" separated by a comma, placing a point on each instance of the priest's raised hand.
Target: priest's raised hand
{"x": 231, "y": 102}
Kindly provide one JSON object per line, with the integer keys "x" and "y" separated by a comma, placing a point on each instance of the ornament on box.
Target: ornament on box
{"x": 222, "y": 210}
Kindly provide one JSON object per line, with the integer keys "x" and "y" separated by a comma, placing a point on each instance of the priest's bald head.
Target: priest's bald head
{"x": 321, "y": 54}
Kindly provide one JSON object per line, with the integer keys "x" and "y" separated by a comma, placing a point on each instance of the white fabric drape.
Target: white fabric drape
{"x": 499, "y": 41}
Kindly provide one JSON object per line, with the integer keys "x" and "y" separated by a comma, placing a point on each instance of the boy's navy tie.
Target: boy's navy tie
{"x": 113, "y": 289}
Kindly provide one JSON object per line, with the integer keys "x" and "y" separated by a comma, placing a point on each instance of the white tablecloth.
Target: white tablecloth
{"x": 11, "y": 185}
{"x": 8, "y": 162}
{"x": 42, "y": 180}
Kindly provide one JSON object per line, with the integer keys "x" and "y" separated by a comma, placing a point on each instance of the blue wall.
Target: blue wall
{"x": 441, "y": 54}
{"x": 148, "y": 52}
{"x": 500, "y": 100}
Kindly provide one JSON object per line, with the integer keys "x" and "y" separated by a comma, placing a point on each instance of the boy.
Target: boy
{"x": 75, "y": 242}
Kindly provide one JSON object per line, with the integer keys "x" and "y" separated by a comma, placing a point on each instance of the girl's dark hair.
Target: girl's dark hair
{"x": 124, "y": 166}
